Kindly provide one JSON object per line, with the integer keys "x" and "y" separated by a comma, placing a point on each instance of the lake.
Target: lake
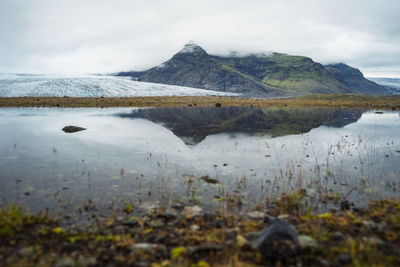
{"x": 235, "y": 158}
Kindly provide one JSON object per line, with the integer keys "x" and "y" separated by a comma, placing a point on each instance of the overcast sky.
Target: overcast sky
{"x": 100, "y": 36}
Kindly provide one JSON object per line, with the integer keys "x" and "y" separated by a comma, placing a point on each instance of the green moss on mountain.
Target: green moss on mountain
{"x": 257, "y": 74}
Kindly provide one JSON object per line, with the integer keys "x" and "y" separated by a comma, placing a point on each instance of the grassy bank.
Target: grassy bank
{"x": 188, "y": 236}
{"x": 337, "y": 101}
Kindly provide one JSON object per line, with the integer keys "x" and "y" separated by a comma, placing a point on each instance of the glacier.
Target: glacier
{"x": 20, "y": 85}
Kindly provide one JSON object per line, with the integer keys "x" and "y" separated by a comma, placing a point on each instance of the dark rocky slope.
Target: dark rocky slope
{"x": 256, "y": 74}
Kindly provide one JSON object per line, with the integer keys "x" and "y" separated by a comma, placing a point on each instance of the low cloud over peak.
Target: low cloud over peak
{"x": 107, "y": 36}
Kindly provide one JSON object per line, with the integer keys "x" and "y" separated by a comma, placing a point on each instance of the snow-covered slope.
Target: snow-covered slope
{"x": 13, "y": 85}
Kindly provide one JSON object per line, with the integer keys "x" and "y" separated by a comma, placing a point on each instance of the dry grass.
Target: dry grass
{"x": 338, "y": 101}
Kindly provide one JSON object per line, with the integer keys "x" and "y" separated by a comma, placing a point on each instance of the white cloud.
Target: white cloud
{"x": 85, "y": 36}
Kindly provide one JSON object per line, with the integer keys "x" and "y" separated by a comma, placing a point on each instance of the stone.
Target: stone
{"x": 86, "y": 261}
{"x": 25, "y": 252}
{"x": 159, "y": 248}
{"x": 65, "y": 262}
{"x": 73, "y": 129}
{"x": 344, "y": 259}
{"x": 373, "y": 240}
{"x": 283, "y": 216}
{"x": 241, "y": 241}
{"x": 256, "y": 215}
{"x": 192, "y": 211}
{"x": 337, "y": 236}
{"x": 206, "y": 248}
{"x": 307, "y": 242}
{"x": 279, "y": 241}
{"x": 194, "y": 227}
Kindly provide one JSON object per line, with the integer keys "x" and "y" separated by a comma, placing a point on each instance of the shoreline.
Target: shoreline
{"x": 334, "y": 101}
{"x": 191, "y": 236}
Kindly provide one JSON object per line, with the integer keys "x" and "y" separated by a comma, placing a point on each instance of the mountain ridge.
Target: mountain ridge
{"x": 265, "y": 75}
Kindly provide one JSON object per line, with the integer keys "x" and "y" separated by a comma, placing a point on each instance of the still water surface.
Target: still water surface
{"x": 165, "y": 156}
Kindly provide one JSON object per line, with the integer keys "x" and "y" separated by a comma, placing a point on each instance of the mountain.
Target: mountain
{"x": 193, "y": 125}
{"x": 272, "y": 74}
{"x": 354, "y": 79}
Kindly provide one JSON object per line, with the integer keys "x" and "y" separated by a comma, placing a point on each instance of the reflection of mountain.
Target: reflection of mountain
{"x": 194, "y": 124}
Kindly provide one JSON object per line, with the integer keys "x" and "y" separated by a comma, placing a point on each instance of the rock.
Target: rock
{"x": 337, "y": 236}
{"x": 323, "y": 262}
{"x": 149, "y": 207}
{"x": 158, "y": 223}
{"x": 131, "y": 224}
{"x": 194, "y": 227}
{"x": 84, "y": 261}
{"x": 158, "y": 248}
{"x": 206, "y": 248}
{"x": 270, "y": 219}
{"x": 73, "y": 129}
{"x": 344, "y": 205}
{"x": 241, "y": 241}
{"x": 278, "y": 241}
{"x": 192, "y": 211}
{"x": 65, "y": 262}
{"x": 169, "y": 214}
{"x": 252, "y": 238}
{"x": 381, "y": 226}
{"x": 370, "y": 224}
{"x": 256, "y": 215}
{"x": 373, "y": 240}
{"x": 25, "y": 252}
{"x": 283, "y": 216}
{"x": 344, "y": 258}
{"x": 307, "y": 242}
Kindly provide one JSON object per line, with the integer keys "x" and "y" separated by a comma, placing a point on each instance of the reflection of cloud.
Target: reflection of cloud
{"x": 378, "y": 118}
{"x": 108, "y": 36}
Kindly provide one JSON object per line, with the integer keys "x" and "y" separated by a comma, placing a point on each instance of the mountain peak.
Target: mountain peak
{"x": 191, "y": 47}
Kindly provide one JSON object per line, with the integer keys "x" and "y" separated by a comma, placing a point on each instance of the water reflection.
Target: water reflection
{"x": 194, "y": 124}
{"x": 139, "y": 155}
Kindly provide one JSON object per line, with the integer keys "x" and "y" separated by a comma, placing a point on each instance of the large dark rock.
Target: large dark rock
{"x": 272, "y": 74}
{"x": 279, "y": 241}
{"x": 73, "y": 129}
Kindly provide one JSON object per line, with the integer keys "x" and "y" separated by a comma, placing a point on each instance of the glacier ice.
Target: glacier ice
{"x": 17, "y": 85}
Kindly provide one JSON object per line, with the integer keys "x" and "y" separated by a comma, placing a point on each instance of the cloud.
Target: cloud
{"x": 90, "y": 36}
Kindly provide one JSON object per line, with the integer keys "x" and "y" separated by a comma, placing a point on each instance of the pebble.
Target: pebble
{"x": 149, "y": 207}
{"x": 65, "y": 262}
{"x": 162, "y": 249}
{"x": 279, "y": 241}
{"x": 373, "y": 240}
{"x": 241, "y": 241}
{"x": 370, "y": 224}
{"x": 344, "y": 258}
{"x": 283, "y": 216}
{"x": 256, "y": 215}
{"x": 192, "y": 211}
{"x": 206, "y": 247}
{"x": 307, "y": 242}
{"x": 337, "y": 236}
{"x": 83, "y": 261}
{"x": 25, "y": 252}
{"x": 195, "y": 227}
{"x": 156, "y": 223}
